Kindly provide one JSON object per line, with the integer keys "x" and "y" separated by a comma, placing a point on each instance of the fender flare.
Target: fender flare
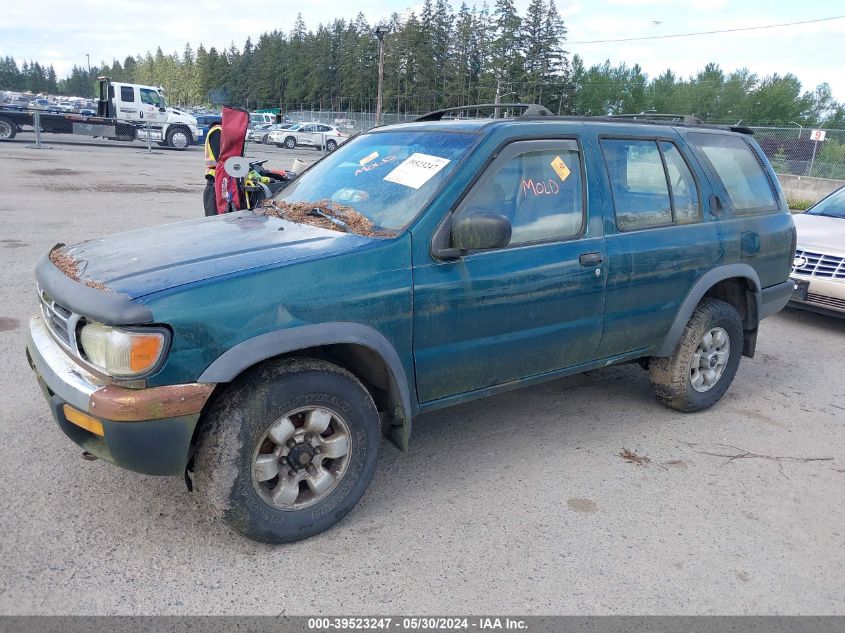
{"x": 694, "y": 296}
{"x": 247, "y": 353}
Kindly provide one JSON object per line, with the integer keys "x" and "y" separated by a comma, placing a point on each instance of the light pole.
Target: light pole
{"x": 800, "y": 127}
{"x": 90, "y": 83}
{"x": 380, "y": 32}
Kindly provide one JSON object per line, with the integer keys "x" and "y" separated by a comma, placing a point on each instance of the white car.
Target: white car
{"x": 819, "y": 267}
{"x": 310, "y": 134}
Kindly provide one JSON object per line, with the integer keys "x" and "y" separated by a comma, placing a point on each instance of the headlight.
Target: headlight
{"x": 122, "y": 352}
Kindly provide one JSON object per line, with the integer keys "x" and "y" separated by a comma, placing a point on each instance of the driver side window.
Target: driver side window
{"x": 539, "y": 191}
{"x": 150, "y": 97}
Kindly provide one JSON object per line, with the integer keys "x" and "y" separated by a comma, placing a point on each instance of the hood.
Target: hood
{"x": 181, "y": 116}
{"x": 141, "y": 262}
{"x": 820, "y": 233}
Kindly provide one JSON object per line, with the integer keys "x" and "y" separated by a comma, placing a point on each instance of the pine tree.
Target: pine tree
{"x": 506, "y": 49}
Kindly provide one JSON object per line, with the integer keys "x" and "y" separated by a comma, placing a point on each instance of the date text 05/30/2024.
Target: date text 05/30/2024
{"x": 417, "y": 623}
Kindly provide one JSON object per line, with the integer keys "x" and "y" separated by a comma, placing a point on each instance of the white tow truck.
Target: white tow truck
{"x": 125, "y": 112}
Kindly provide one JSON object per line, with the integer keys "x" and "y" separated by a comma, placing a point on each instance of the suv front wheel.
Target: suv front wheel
{"x": 288, "y": 450}
{"x": 705, "y": 360}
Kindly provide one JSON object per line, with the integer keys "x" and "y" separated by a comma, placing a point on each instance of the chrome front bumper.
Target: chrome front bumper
{"x": 63, "y": 376}
{"x": 146, "y": 430}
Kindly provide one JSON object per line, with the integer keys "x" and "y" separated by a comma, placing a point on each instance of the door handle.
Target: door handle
{"x": 590, "y": 259}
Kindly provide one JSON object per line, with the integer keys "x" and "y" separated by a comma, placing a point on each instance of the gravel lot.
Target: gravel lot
{"x": 517, "y": 504}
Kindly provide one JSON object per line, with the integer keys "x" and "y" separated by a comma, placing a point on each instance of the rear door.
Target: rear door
{"x": 532, "y": 307}
{"x": 306, "y": 135}
{"x": 660, "y": 239}
{"x": 128, "y": 103}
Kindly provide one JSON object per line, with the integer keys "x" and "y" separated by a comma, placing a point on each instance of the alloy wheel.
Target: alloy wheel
{"x": 301, "y": 458}
{"x": 710, "y": 359}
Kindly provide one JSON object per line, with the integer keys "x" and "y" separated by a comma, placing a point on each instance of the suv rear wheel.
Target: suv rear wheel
{"x": 705, "y": 361}
{"x": 288, "y": 451}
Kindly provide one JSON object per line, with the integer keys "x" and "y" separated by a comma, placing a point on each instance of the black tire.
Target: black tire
{"x": 8, "y": 130}
{"x": 672, "y": 377}
{"x": 290, "y": 142}
{"x": 233, "y": 430}
{"x": 331, "y": 145}
{"x": 178, "y": 138}
{"x": 265, "y": 139}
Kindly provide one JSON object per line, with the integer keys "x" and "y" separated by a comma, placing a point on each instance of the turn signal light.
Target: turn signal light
{"x": 83, "y": 421}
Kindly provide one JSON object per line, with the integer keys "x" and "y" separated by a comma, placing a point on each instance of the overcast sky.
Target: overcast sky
{"x": 61, "y": 32}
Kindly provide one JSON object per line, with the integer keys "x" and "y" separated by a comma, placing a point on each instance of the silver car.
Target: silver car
{"x": 311, "y": 134}
{"x": 263, "y": 135}
{"x": 819, "y": 266}
{"x": 256, "y": 132}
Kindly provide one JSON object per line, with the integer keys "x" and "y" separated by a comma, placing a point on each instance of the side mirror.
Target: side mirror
{"x": 479, "y": 230}
{"x": 162, "y": 109}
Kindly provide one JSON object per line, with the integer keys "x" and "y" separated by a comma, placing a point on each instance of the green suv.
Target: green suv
{"x": 262, "y": 354}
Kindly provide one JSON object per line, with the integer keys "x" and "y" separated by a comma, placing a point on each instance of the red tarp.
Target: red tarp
{"x": 232, "y": 140}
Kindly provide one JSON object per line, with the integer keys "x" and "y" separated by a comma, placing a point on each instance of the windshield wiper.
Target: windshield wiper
{"x": 319, "y": 212}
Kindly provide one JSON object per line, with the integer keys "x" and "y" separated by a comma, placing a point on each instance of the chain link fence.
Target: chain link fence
{"x": 351, "y": 122}
{"x": 791, "y": 150}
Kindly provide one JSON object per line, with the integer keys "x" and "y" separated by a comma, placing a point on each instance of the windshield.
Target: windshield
{"x": 385, "y": 176}
{"x": 833, "y": 206}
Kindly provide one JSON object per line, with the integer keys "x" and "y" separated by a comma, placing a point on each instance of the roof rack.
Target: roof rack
{"x": 659, "y": 116}
{"x": 530, "y": 109}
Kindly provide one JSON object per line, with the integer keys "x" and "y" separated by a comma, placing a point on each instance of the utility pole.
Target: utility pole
{"x": 380, "y": 32}
{"x": 90, "y": 83}
{"x": 498, "y": 100}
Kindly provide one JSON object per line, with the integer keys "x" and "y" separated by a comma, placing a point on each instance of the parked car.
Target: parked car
{"x": 819, "y": 266}
{"x": 204, "y": 122}
{"x": 261, "y": 117}
{"x": 256, "y": 132}
{"x": 263, "y": 354}
{"x": 309, "y": 134}
{"x": 263, "y": 135}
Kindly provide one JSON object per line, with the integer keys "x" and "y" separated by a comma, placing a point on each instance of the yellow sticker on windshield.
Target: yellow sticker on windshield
{"x": 368, "y": 158}
{"x": 560, "y": 168}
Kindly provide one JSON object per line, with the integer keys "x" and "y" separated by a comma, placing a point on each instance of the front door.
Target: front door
{"x": 532, "y": 307}
{"x": 152, "y": 106}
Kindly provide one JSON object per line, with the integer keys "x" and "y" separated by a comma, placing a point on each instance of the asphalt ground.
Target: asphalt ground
{"x": 517, "y": 504}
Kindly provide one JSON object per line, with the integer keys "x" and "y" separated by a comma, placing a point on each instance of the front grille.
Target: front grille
{"x": 61, "y": 321}
{"x": 828, "y": 302}
{"x": 818, "y": 265}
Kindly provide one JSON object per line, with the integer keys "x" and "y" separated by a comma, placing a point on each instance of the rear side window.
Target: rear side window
{"x": 651, "y": 184}
{"x": 740, "y": 171}
{"x": 127, "y": 94}
{"x": 684, "y": 189}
